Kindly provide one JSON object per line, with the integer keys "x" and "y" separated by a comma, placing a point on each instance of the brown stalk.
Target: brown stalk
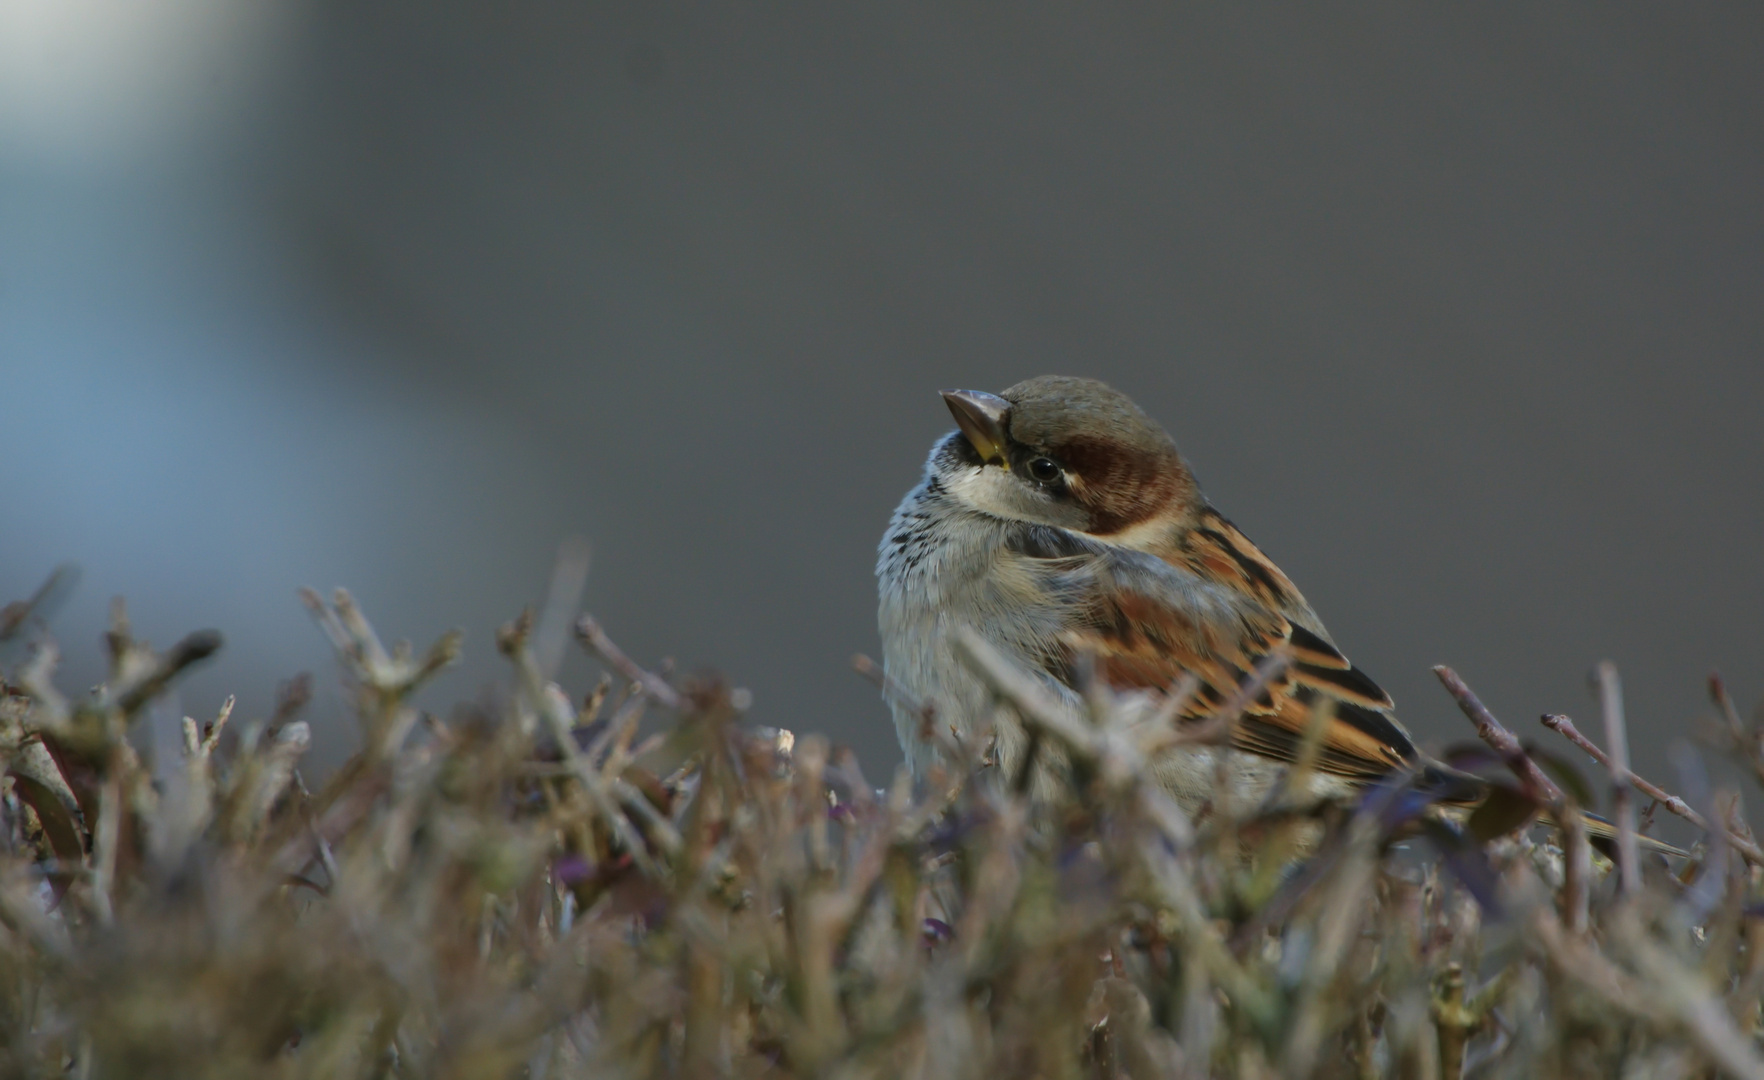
{"x": 896, "y": 694}
{"x": 1745, "y": 740}
{"x": 16, "y": 614}
{"x": 1576, "y": 873}
{"x": 1616, "y": 733}
{"x": 484, "y": 907}
{"x": 1564, "y": 726}
{"x": 594, "y": 639}
{"x": 1496, "y": 735}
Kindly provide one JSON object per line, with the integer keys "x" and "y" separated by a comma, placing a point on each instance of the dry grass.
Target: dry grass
{"x": 534, "y": 891}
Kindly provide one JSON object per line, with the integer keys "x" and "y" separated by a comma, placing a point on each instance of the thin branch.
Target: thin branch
{"x": 1704, "y": 892}
{"x": 193, "y": 648}
{"x": 1617, "y": 735}
{"x": 896, "y": 694}
{"x": 568, "y": 576}
{"x": 594, "y": 639}
{"x": 1496, "y": 735}
{"x": 1745, "y": 739}
{"x": 1718, "y": 694}
{"x": 1576, "y": 873}
{"x": 1036, "y": 706}
{"x": 1176, "y": 700}
{"x": 16, "y": 614}
{"x": 1564, "y": 726}
{"x": 1216, "y": 728}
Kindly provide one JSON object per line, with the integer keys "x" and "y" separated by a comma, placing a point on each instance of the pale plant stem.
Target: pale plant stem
{"x": 1622, "y": 808}
{"x": 1565, "y": 727}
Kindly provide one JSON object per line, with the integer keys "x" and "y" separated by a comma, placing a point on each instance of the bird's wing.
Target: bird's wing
{"x": 1209, "y": 611}
{"x": 1216, "y": 609}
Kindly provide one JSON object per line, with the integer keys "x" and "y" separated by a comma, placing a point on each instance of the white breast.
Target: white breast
{"x": 941, "y": 567}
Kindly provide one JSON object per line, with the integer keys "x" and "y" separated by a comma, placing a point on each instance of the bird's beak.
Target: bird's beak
{"x": 981, "y": 416}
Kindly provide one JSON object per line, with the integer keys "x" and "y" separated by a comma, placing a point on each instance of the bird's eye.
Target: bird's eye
{"x": 1043, "y": 470}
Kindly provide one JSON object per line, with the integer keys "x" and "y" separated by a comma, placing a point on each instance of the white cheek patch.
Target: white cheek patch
{"x": 988, "y": 489}
{"x": 999, "y": 493}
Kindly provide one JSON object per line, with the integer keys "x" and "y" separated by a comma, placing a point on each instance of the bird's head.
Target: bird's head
{"x": 1069, "y": 452}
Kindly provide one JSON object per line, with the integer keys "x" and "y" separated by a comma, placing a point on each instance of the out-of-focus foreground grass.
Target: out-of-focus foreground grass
{"x": 531, "y": 889}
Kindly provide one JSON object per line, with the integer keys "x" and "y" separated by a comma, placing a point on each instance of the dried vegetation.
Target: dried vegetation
{"x": 534, "y": 890}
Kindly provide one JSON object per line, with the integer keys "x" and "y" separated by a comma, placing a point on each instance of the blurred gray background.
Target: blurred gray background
{"x": 1457, "y": 311}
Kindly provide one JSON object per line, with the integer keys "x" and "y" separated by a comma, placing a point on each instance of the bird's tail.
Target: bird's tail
{"x": 1603, "y": 835}
{"x": 1455, "y": 788}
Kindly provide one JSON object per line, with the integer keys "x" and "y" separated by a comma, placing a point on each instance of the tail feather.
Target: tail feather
{"x": 1603, "y": 836}
{"x": 1454, "y": 787}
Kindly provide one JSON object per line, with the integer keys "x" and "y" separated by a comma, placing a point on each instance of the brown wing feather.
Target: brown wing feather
{"x": 1231, "y": 559}
{"x": 1144, "y": 642}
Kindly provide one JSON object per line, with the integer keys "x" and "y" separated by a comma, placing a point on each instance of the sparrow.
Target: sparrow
{"x": 1059, "y": 523}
